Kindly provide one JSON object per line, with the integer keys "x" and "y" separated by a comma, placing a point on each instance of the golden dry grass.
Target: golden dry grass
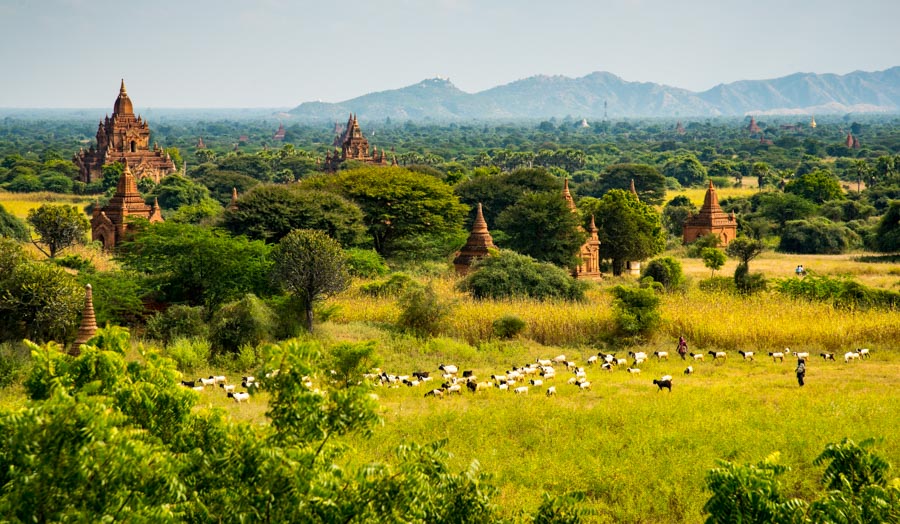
{"x": 697, "y": 194}
{"x": 20, "y": 203}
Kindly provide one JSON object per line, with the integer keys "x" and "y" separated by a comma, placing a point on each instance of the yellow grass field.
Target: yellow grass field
{"x": 20, "y": 203}
{"x": 697, "y": 194}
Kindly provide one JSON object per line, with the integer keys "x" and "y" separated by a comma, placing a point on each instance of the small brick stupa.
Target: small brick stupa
{"x": 711, "y": 220}
{"x": 477, "y": 246}
{"x": 753, "y": 127}
{"x": 88, "y": 327}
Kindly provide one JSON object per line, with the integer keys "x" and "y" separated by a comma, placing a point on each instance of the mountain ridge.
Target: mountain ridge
{"x": 601, "y": 93}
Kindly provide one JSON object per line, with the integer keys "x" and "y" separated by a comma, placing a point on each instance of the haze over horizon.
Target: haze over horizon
{"x": 274, "y": 53}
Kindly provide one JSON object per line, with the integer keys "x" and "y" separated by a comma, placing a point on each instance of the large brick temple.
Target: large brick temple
{"x": 125, "y": 138}
{"x": 711, "y": 219}
{"x": 109, "y": 225}
{"x": 354, "y": 146}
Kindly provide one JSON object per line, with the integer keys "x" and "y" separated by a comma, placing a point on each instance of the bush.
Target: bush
{"x": 13, "y": 361}
{"x": 714, "y": 284}
{"x": 720, "y": 181}
{"x": 118, "y": 296}
{"x": 636, "y": 309}
{"x": 178, "y": 322}
{"x": 843, "y": 292}
{"x": 817, "y": 236}
{"x": 508, "y": 326}
{"x": 365, "y": 263}
{"x": 511, "y": 275}
{"x": 748, "y": 283}
{"x": 76, "y": 262}
{"x": 189, "y": 353}
{"x": 422, "y": 311}
{"x": 695, "y": 249}
{"x": 245, "y": 321}
{"x": 665, "y": 270}
{"x": 394, "y": 286}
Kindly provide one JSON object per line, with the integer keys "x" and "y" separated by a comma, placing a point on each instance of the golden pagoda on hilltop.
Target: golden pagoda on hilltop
{"x": 123, "y": 138}
{"x": 589, "y": 268}
{"x": 477, "y": 246}
{"x": 710, "y": 220}
{"x": 109, "y": 225}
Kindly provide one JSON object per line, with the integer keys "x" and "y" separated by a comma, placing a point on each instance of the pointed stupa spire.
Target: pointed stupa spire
{"x": 593, "y": 227}
{"x": 633, "y": 190}
{"x": 568, "y": 196}
{"x": 88, "y": 321}
{"x": 477, "y": 246}
{"x": 234, "y": 199}
{"x": 122, "y": 90}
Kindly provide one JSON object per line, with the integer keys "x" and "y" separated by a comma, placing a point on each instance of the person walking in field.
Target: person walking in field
{"x": 682, "y": 347}
{"x": 801, "y": 371}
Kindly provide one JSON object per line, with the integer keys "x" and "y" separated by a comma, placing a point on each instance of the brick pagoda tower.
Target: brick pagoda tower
{"x": 589, "y": 268}
{"x": 711, "y": 220}
{"x": 477, "y": 246}
{"x": 354, "y": 146}
{"x": 88, "y": 327}
{"x": 109, "y": 224}
{"x": 123, "y": 138}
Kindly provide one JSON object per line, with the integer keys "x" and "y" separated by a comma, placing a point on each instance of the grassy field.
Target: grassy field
{"x": 20, "y": 203}
{"x": 697, "y": 194}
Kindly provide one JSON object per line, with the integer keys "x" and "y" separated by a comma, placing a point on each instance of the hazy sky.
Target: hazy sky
{"x": 278, "y": 53}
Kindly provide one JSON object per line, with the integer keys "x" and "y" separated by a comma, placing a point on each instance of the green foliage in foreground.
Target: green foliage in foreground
{"x": 12, "y": 227}
{"x": 101, "y": 439}
{"x": 58, "y": 227}
{"x": 856, "y": 480}
{"x": 510, "y": 275}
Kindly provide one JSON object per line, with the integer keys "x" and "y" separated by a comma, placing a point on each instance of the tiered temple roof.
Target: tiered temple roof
{"x": 279, "y": 134}
{"x": 477, "y": 246}
{"x": 123, "y": 138}
{"x": 753, "y": 128}
{"x": 354, "y": 146}
{"x": 711, "y": 219}
{"x": 109, "y": 224}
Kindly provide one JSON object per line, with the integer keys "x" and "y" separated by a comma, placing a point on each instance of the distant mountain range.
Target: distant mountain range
{"x": 559, "y": 96}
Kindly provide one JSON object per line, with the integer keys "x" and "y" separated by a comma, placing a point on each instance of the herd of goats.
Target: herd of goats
{"x": 537, "y": 374}
{"x": 520, "y": 379}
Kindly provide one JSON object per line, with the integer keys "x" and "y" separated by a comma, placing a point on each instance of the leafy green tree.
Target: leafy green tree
{"x": 649, "y": 183}
{"x": 422, "y": 310}
{"x": 675, "y": 212}
{"x": 782, "y": 207}
{"x": 11, "y": 226}
{"x": 542, "y": 226}
{"x": 269, "y": 212}
{"x": 508, "y": 274}
{"x": 628, "y": 229}
{"x": 817, "y": 186}
{"x": 887, "y": 235}
{"x": 725, "y": 169}
{"x": 117, "y": 296}
{"x": 58, "y": 227}
{"x": 111, "y": 174}
{"x": 245, "y": 322}
{"x": 686, "y": 169}
{"x": 665, "y": 270}
{"x": 816, "y": 236}
{"x": 25, "y": 184}
{"x": 713, "y": 258}
{"x": 197, "y": 266}
{"x": 763, "y": 173}
{"x": 397, "y": 204}
{"x": 498, "y": 191}
{"x": 746, "y": 249}
{"x": 38, "y": 301}
{"x": 175, "y": 191}
{"x": 207, "y": 211}
{"x": 311, "y": 266}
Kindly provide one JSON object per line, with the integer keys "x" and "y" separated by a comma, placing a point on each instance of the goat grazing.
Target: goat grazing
{"x": 551, "y": 391}
{"x": 661, "y": 355}
{"x": 521, "y": 390}
{"x": 777, "y": 355}
{"x": 633, "y": 371}
{"x": 449, "y": 368}
{"x": 696, "y": 356}
{"x": 239, "y": 397}
{"x": 746, "y": 355}
{"x": 718, "y": 355}
{"x": 827, "y": 356}
{"x": 664, "y": 382}
{"x": 851, "y": 355}
{"x": 863, "y": 352}
{"x": 436, "y": 393}
{"x": 688, "y": 370}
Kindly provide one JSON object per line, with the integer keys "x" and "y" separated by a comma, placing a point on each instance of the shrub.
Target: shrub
{"x": 636, "y": 309}
{"x": 508, "y": 326}
{"x": 422, "y": 311}
{"x": 696, "y": 247}
{"x": 178, "y": 322}
{"x": 511, "y": 275}
{"x": 665, "y": 270}
{"x": 13, "y": 362}
{"x": 714, "y": 284}
{"x": 841, "y": 292}
{"x": 189, "y": 353}
{"x": 76, "y": 262}
{"x": 394, "y": 286}
{"x": 365, "y": 263}
{"x": 748, "y": 283}
{"x": 118, "y": 296}
{"x": 817, "y": 236}
{"x": 245, "y": 321}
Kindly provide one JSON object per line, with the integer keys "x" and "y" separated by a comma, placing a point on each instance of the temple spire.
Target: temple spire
{"x": 234, "y": 199}
{"x": 122, "y": 90}
{"x": 88, "y": 322}
{"x": 633, "y": 190}
{"x": 478, "y": 245}
{"x": 568, "y": 196}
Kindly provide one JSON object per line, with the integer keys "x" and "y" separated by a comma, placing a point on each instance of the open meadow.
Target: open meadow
{"x": 20, "y": 203}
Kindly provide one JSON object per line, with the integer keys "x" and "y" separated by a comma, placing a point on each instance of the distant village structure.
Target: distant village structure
{"x": 354, "y": 146}
{"x": 123, "y": 138}
{"x": 753, "y": 128}
{"x": 589, "y": 268}
{"x": 711, "y": 220}
{"x": 280, "y": 133}
{"x": 478, "y": 245}
{"x": 679, "y": 128}
{"x": 109, "y": 224}
{"x": 852, "y": 142}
